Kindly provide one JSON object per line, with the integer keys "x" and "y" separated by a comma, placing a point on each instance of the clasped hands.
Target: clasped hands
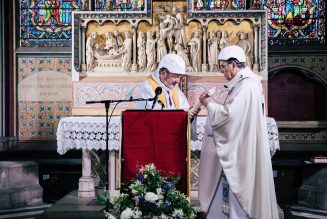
{"x": 204, "y": 100}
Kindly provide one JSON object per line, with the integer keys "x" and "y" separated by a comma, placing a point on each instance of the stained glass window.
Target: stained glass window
{"x": 295, "y": 21}
{"x": 206, "y": 5}
{"x": 125, "y": 5}
{"x": 46, "y": 23}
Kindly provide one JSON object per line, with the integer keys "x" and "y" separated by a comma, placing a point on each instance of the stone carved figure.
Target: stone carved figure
{"x": 225, "y": 41}
{"x": 111, "y": 44}
{"x": 109, "y": 41}
{"x": 161, "y": 48}
{"x": 170, "y": 41}
{"x": 244, "y": 43}
{"x": 127, "y": 52}
{"x": 182, "y": 53}
{"x": 165, "y": 33}
{"x": 169, "y": 23}
{"x": 91, "y": 46}
{"x": 179, "y": 28}
{"x": 141, "y": 44}
{"x": 213, "y": 50}
{"x": 150, "y": 52}
{"x": 84, "y": 5}
{"x": 161, "y": 25}
{"x": 119, "y": 39}
{"x": 195, "y": 51}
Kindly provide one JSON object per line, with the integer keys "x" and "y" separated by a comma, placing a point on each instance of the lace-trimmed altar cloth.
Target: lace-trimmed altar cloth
{"x": 89, "y": 133}
{"x": 272, "y": 134}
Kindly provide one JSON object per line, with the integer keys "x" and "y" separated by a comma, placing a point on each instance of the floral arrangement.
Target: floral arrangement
{"x": 149, "y": 196}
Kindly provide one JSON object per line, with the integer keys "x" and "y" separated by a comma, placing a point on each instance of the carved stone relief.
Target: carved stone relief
{"x": 141, "y": 44}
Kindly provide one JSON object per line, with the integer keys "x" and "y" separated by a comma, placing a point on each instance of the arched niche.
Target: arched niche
{"x": 296, "y": 94}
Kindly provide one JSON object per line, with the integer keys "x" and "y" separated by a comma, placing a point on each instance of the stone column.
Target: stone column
{"x": 86, "y": 182}
{"x": 82, "y": 48}
{"x": 134, "y": 65}
{"x": 256, "y": 66}
{"x": 113, "y": 191}
{"x": 204, "y": 49}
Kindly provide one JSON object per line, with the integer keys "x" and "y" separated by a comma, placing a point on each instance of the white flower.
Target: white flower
{"x": 137, "y": 200}
{"x": 108, "y": 215}
{"x": 126, "y": 214}
{"x": 163, "y": 216}
{"x": 138, "y": 183}
{"x": 159, "y": 191}
{"x": 160, "y": 202}
{"x": 151, "y": 166}
{"x": 178, "y": 213}
{"x": 137, "y": 214}
{"x": 151, "y": 197}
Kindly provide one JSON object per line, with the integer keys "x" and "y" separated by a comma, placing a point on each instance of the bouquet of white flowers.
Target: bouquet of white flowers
{"x": 149, "y": 196}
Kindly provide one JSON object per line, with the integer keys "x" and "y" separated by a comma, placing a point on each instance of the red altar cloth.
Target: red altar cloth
{"x": 159, "y": 137}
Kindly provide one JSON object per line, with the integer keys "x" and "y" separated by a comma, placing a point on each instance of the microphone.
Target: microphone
{"x": 157, "y": 92}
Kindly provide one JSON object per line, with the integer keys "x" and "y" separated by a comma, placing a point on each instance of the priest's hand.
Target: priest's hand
{"x": 194, "y": 112}
{"x": 204, "y": 99}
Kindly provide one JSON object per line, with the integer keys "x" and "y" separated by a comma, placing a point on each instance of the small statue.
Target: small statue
{"x": 195, "y": 51}
{"x": 213, "y": 50}
{"x": 127, "y": 52}
{"x": 182, "y": 53}
{"x": 141, "y": 55}
{"x": 225, "y": 41}
{"x": 150, "y": 52}
{"x": 244, "y": 43}
{"x": 119, "y": 39}
{"x": 161, "y": 48}
{"x": 180, "y": 36}
{"x": 91, "y": 46}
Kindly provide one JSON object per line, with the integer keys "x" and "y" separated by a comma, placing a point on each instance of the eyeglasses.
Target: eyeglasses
{"x": 223, "y": 66}
{"x": 171, "y": 74}
{"x": 174, "y": 75}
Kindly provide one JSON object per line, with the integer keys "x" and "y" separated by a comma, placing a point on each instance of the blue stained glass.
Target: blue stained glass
{"x": 46, "y": 23}
{"x": 120, "y": 5}
{"x": 295, "y": 21}
{"x": 206, "y": 5}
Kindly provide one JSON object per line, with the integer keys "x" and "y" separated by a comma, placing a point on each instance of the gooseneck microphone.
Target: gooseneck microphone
{"x": 157, "y": 92}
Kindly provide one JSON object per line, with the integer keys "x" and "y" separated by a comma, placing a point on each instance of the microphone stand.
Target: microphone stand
{"x": 107, "y": 106}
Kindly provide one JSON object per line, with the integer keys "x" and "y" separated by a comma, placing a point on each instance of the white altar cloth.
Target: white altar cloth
{"x": 89, "y": 133}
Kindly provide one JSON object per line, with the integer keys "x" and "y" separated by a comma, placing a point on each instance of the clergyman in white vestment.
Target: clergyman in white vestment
{"x": 236, "y": 178}
{"x": 167, "y": 76}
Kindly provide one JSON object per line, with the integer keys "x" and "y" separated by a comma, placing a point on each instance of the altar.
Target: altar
{"x": 87, "y": 133}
